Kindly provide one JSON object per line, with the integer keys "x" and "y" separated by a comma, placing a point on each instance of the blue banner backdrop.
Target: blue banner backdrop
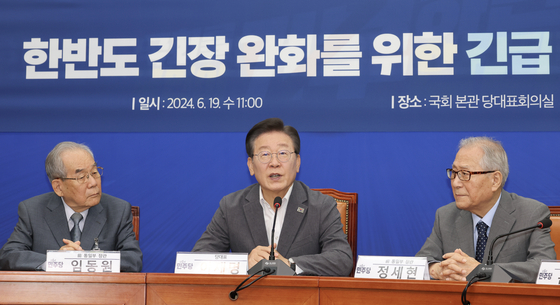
{"x": 338, "y": 71}
{"x": 178, "y": 179}
{"x": 183, "y": 66}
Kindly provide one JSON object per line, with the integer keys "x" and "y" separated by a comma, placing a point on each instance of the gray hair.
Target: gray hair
{"x": 54, "y": 164}
{"x": 495, "y": 157}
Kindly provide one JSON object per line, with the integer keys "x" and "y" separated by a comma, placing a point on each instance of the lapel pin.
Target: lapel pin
{"x": 300, "y": 210}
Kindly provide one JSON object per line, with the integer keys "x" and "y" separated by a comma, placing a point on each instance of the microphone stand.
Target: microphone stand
{"x": 496, "y": 273}
{"x": 278, "y": 267}
{"x": 490, "y": 254}
{"x": 490, "y": 272}
{"x": 276, "y": 205}
{"x": 265, "y": 267}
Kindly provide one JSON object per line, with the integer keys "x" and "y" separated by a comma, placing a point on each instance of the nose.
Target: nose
{"x": 456, "y": 182}
{"x": 92, "y": 182}
{"x": 274, "y": 161}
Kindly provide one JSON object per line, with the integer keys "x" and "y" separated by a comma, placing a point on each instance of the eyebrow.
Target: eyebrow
{"x": 269, "y": 148}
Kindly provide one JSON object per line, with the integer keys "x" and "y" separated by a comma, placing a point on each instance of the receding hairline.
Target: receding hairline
{"x": 74, "y": 150}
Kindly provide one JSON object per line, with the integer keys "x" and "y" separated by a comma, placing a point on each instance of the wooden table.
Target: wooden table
{"x": 396, "y": 292}
{"x": 164, "y": 288}
{"x": 72, "y": 288}
{"x": 168, "y": 288}
{"x": 214, "y": 289}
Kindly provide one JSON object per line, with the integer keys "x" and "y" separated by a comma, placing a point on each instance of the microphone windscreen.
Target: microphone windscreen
{"x": 545, "y": 223}
{"x": 277, "y": 201}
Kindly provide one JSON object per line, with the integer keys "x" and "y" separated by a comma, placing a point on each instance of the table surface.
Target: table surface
{"x": 169, "y": 288}
{"x": 72, "y": 288}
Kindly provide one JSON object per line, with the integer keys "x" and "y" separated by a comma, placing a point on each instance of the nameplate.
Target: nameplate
{"x": 83, "y": 261}
{"x": 549, "y": 273}
{"x": 211, "y": 263}
{"x": 392, "y": 267}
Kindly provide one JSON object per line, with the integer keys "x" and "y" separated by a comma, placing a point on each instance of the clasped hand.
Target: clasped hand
{"x": 263, "y": 252}
{"x": 71, "y": 246}
{"x": 455, "y": 267}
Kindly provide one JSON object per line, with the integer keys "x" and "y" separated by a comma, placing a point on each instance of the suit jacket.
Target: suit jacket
{"x": 42, "y": 225}
{"x": 313, "y": 238}
{"x": 519, "y": 254}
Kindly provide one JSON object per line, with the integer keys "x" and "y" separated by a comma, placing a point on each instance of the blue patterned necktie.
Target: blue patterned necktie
{"x": 76, "y": 233}
{"x": 481, "y": 228}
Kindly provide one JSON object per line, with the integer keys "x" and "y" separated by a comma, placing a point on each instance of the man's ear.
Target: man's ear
{"x": 497, "y": 179}
{"x": 57, "y": 187}
{"x": 250, "y": 166}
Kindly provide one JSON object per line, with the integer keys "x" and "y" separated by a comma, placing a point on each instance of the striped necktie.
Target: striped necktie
{"x": 76, "y": 233}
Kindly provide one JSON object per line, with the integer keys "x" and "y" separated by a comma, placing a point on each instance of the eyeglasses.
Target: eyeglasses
{"x": 266, "y": 156}
{"x": 82, "y": 178}
{"x": 464, "y": 175}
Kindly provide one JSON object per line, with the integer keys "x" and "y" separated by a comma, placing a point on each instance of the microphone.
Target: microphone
{"x": 265, "y": 267}
{"x": 277, "y": 267}
{"x": 277, "y": 204}
{"x": 498, "y": 274}
{"x": 543, "y": 224}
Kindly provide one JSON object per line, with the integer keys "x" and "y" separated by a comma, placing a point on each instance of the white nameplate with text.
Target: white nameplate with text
{"x": 211, "y": 263}
{"x": 549, "y": 273}
{"x": 83, "y": 261}
{"x": 392, "y": 267}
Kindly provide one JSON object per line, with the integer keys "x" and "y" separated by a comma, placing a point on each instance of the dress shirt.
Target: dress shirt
{"x": 268, "y": 213}
{"x": 69, "y": 212}
{"x": 487, "y": 220}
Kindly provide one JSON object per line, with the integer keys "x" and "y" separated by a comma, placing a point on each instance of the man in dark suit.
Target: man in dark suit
{"x": 482, "y": 211}
{"x": 72, "y": 216}
{"x": 308, "y": 234}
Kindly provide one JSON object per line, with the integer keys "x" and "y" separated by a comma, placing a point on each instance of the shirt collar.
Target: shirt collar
{"x": 489, "y": 216}
{"x": 69, "y": 212}
{"x": 284, "y": 200}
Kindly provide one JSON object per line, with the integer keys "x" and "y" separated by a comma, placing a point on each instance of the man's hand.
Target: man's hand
{"x": 282, "y": 258}
{"x": 263, "y": 252}
{"x": 436, "y": 271}
{"x": 457, "y": 265}
{"x": 258, "y": 254}
{"x": 71, "y": 246}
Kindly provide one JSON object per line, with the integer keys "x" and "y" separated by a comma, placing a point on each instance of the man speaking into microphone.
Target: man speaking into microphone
{"x": 464, "y": 230}
{"x": 308, "y": 234}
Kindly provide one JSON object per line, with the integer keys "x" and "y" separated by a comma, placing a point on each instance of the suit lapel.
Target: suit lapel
{"x": 501, "y": 223}
{"x": 297, "y": 209}
{"x": 464, "y": 227}
{"x": 56, "y": 219}
{"x": 95, "y": 220}
{"x": 254, "y": 217}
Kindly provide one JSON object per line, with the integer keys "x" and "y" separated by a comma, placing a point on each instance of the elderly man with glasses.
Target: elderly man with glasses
{"x": 482, "y": 211}
{"x": 72, "y": 216}
{"x": 308, "y": 235}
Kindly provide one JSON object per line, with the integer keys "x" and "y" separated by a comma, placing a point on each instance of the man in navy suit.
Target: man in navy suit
{"x": 46, "y": 222}
{"x": 308, "y": 235}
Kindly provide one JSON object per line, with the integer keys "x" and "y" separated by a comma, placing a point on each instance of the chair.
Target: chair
{"x": 136, "y": 221}
{"x": 555, "y": 228}
{"x": 347, "y": 204}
